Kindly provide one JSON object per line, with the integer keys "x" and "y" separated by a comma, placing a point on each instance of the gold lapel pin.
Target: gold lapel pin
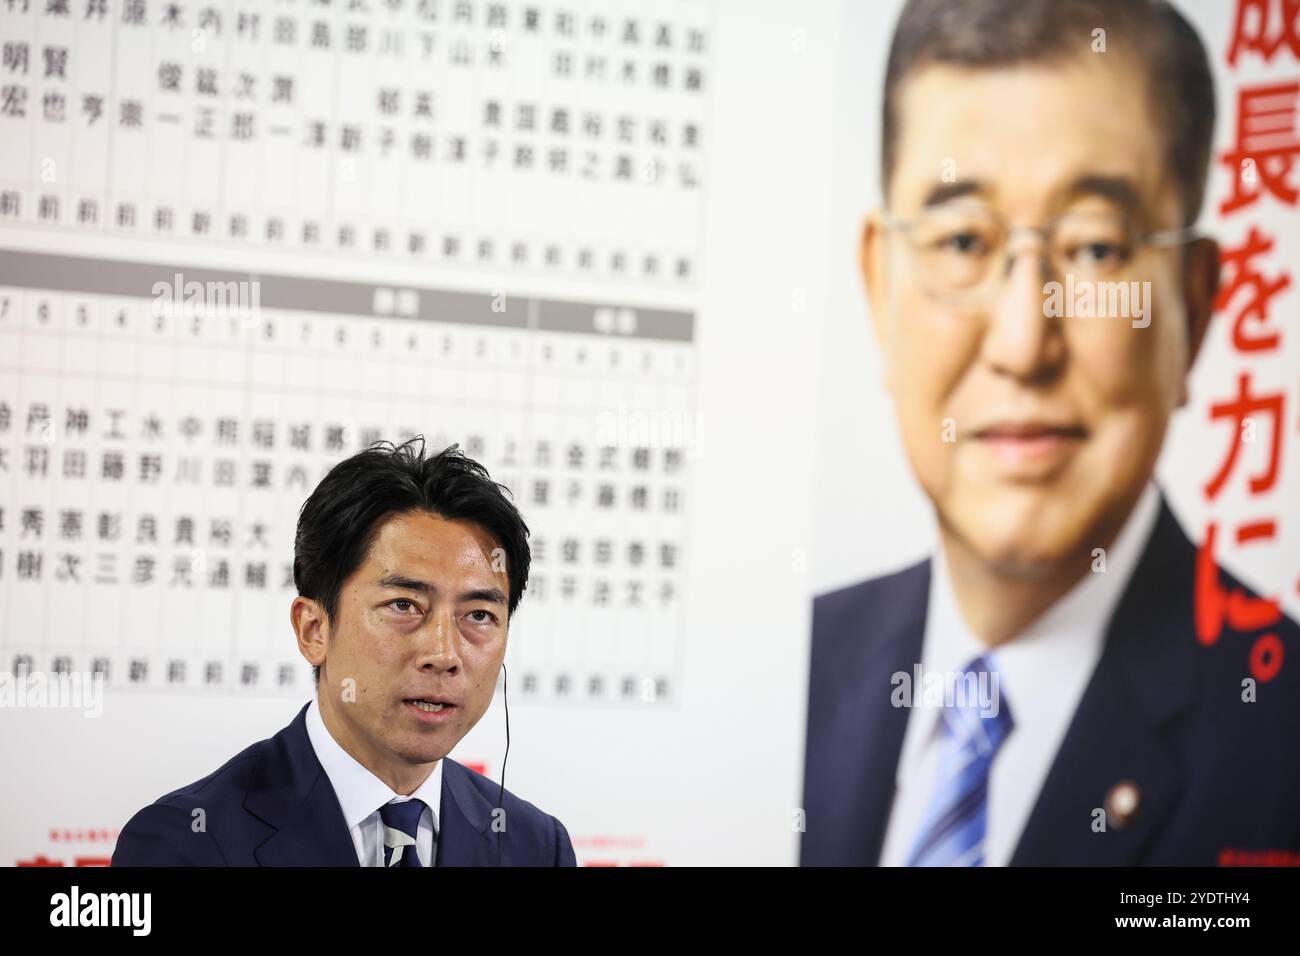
{"x": 1123, "y": 803}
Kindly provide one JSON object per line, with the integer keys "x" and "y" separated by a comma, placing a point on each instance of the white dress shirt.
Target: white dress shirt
{"x": 361, "y": 794}
{"x": 1043, "y": 672}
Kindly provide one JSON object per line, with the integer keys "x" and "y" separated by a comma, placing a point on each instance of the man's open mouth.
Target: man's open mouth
{"x": 429, "y": 705}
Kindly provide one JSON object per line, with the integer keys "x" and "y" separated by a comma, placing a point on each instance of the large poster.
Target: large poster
{"x": 980, "y": 418}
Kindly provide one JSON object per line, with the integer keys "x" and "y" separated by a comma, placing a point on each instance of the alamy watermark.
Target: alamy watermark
{"x": 624, "y": 427}
{"x": 236, "y": 299}
{"x": 963, "y": 690}
{"x": 1086, "y": 299}
{"x": 41, "y": 690}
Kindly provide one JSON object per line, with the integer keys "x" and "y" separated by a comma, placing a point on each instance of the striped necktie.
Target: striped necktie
{"x": 401, "y": 824}
{"x": 952, "y": 832}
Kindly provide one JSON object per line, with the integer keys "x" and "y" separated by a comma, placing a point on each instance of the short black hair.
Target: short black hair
{"x": 340, "y": 520}
{"x": 995, "y": 33}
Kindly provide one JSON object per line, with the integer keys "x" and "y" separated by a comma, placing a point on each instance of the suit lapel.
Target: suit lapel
{"x": 885, "y": 746}
{"x": 290, "y": 792}
{"x": 464, "y": 834}
{"x": 1126, "y": 725}
{"x": 857, "y": 733}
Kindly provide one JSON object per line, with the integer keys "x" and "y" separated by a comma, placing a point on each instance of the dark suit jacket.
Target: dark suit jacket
{"x": 273, "y": 805}
{"x": 1214, "y": 773}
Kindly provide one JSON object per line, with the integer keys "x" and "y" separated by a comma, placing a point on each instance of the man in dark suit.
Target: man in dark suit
{"x": 1068, "y": 680}
{"x": 273, "y": 805}
{"x": 408, "y": 570}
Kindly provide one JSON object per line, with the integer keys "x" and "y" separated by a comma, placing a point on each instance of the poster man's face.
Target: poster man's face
{"x": 1032, "y": 434}
{"x": 424, "y": 616}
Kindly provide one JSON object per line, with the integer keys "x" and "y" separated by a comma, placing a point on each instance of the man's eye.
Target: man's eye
{"x": 487, "y": 617}
{"x": 1103, "y": 253}
{"x": 963, "y": 243}
{"x": 403, "y": 605}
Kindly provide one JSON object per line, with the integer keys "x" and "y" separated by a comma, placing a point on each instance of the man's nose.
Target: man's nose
{"x": 1021, "y": 340}
{"x": 439, "y": 642}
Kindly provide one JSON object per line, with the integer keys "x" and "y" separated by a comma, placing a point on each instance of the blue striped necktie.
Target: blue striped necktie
{"x": 401, "y": 826}
{"x": 952, "y": 831}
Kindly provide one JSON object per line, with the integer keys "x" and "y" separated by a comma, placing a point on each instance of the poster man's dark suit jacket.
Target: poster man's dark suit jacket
{"x": 1214, "y": 773}
{"x": 273, "y": 805}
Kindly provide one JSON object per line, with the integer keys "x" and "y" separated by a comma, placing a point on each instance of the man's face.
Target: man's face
{"x": 423, "y": 617}
{"x": 1032, "y": 435}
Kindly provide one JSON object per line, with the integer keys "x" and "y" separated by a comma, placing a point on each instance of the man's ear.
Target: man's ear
{"x": 311, "y": 627}
{"x": 873, "y": 254}
{"x": 1200, "y": 287}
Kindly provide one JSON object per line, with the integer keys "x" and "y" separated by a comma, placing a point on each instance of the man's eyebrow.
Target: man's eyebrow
{"x": 1118, "y": 189}
{"x": 405, "y": 583}
{"x": 490, "y": 595}
{"x": 941, "y": 193}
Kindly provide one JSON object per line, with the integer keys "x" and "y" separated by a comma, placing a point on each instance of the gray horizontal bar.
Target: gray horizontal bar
{"x": 88, "y": 276}
{"x": 617, "y": 320}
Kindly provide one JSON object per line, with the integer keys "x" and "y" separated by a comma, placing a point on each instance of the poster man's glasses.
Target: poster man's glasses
{"x": 964, "y": 252}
